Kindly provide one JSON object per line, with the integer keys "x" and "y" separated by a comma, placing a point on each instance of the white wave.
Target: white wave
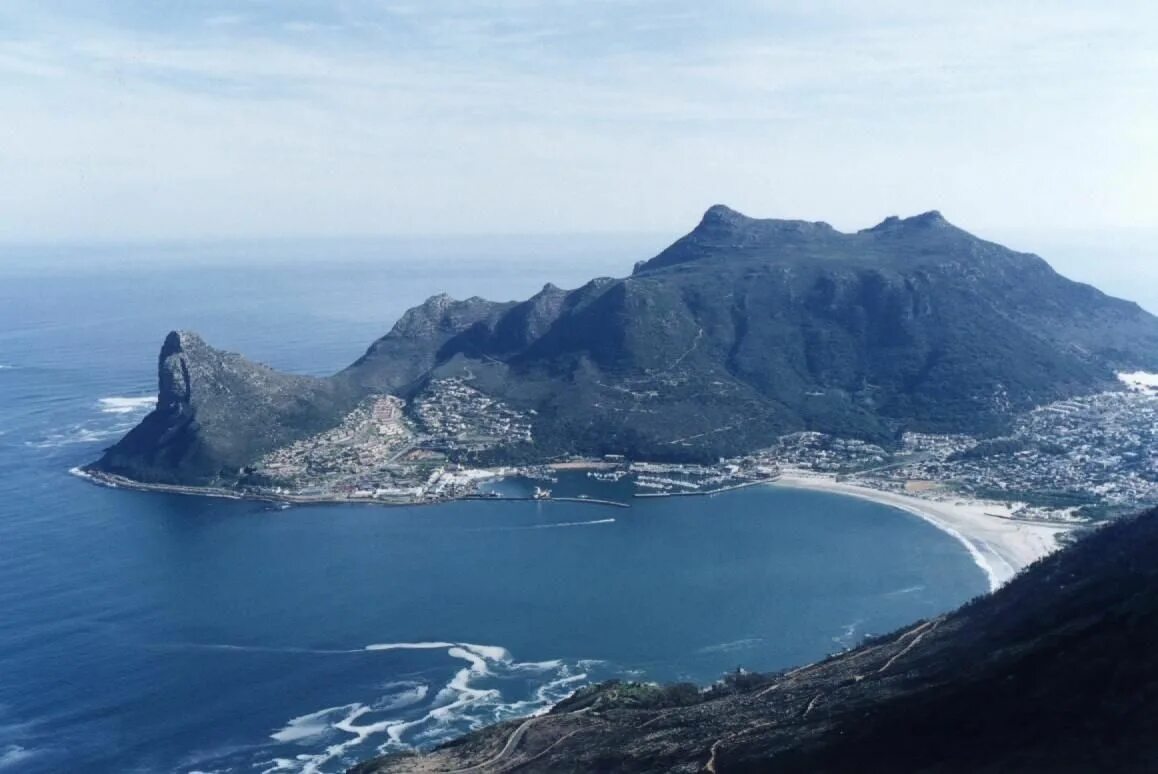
{"x": 7, "y": 367}
{"x": 409, "y": 646}
{"x": 492, "y": 652}
{"x": 280, "y": 764}
{"x": 77, "y": 435}
{"x": 537, "y": 666}
{"x": 591, "y": 663}
{"x": 478, "y": 664}
{"x": 847, "y": 638}
{"x": 127, "y": 405}
{"x": 489, "y": 652}
{"x": 458, "y": 706}
{"x": 547, "y": 696}
{"x": 408, "y": 698}
{"x": 308, "y": 726}
{"x": 122, "y": 412}
{"x": 14, "y": 755}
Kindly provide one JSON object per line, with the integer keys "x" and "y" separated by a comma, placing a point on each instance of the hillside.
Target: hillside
{"x": 1054, "y": 672}
{"x": 741, "y": 331}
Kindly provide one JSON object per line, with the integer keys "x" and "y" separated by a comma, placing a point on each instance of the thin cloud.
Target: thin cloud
{"x": 504, "y": 115}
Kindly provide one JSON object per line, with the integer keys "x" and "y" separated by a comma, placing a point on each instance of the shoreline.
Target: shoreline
{"x": 1000, "y": 545}
{"x": 113, "y": 481}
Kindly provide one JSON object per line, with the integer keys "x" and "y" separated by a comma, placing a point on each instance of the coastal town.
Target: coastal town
{"x": 1079, "y": 459}
{"x": 1073, "y": 461}
{"x": 383, "y": 452}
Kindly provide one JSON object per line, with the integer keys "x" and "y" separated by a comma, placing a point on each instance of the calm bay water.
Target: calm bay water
{"x": 143, "y": 632}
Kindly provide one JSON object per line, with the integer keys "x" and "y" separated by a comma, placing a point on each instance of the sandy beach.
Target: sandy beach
{"x": 1000, "y": 546}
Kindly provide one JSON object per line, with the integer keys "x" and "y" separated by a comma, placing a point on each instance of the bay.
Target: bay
{"x": 149, "y": 632}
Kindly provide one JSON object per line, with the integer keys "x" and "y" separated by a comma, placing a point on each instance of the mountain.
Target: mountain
{"x": 740, "y": 331}
{"x": 1054, "y": 672}
{"x": 217, "y": 411}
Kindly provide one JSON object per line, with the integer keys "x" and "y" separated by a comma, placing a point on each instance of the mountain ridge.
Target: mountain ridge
{"x": 742, "y": 330}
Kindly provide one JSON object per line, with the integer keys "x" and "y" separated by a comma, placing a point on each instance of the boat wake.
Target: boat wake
{"x": 553, "y": 525}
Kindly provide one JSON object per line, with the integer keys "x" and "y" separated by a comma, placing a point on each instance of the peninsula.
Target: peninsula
{"x": 913, "y": 355}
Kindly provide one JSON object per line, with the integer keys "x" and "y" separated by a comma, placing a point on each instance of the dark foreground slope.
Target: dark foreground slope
{"x": 1056, "y": 672}
{"x": 741, "y": 331}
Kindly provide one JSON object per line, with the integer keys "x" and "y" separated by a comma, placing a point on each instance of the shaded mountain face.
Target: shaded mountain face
{"x": 1055, "y": 672}
{"x": 741, "y": 331}
{"x": 217, "y": 412}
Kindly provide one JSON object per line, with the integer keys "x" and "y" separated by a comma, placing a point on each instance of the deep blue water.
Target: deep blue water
{"x": 144, "y": 632}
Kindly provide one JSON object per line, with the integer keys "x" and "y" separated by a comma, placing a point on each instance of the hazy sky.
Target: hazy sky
{"x": 126, "y": 119}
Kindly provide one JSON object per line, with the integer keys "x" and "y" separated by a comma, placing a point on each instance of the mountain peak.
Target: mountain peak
{"x": 932, "y": 217}
{"x": 722, "y": 214}
{"x": 438, "y": 302}
{"x": 724, "y": 231}
{"x": 926, "y": 220}
{"x": 937, "y": 321}
{"x": 720, "y": 218}
{"x": 181, "y": 341}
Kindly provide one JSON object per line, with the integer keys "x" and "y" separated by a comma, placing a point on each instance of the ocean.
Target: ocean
{"x": 159, "y": 633}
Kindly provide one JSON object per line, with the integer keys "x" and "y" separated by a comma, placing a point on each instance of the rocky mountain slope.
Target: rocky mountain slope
{"x": 216, "y": 412}
{"x": 1055, "y": 672}
{"x": 742, "y": 330}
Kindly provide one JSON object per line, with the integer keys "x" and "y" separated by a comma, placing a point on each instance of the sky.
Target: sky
{"x": 135, "y": 119}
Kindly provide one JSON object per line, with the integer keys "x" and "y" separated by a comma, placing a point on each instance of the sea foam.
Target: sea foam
{"x": 308, "y": 726}
{"x": 13, "y": 756}
{"x": 408, "y": 716}
{"x": 127, "y": 404}
{"x": 78, "y": 434}
{"x": 121, "y": 413}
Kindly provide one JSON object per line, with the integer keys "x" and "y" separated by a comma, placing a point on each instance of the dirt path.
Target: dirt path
{"x": 512, "y": 742}
{"x": 921, "y": 632}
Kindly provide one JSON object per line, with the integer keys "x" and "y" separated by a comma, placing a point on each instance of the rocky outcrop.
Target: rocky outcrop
{"x": 216, "y": 413}
{"x": 398, "y": 360}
